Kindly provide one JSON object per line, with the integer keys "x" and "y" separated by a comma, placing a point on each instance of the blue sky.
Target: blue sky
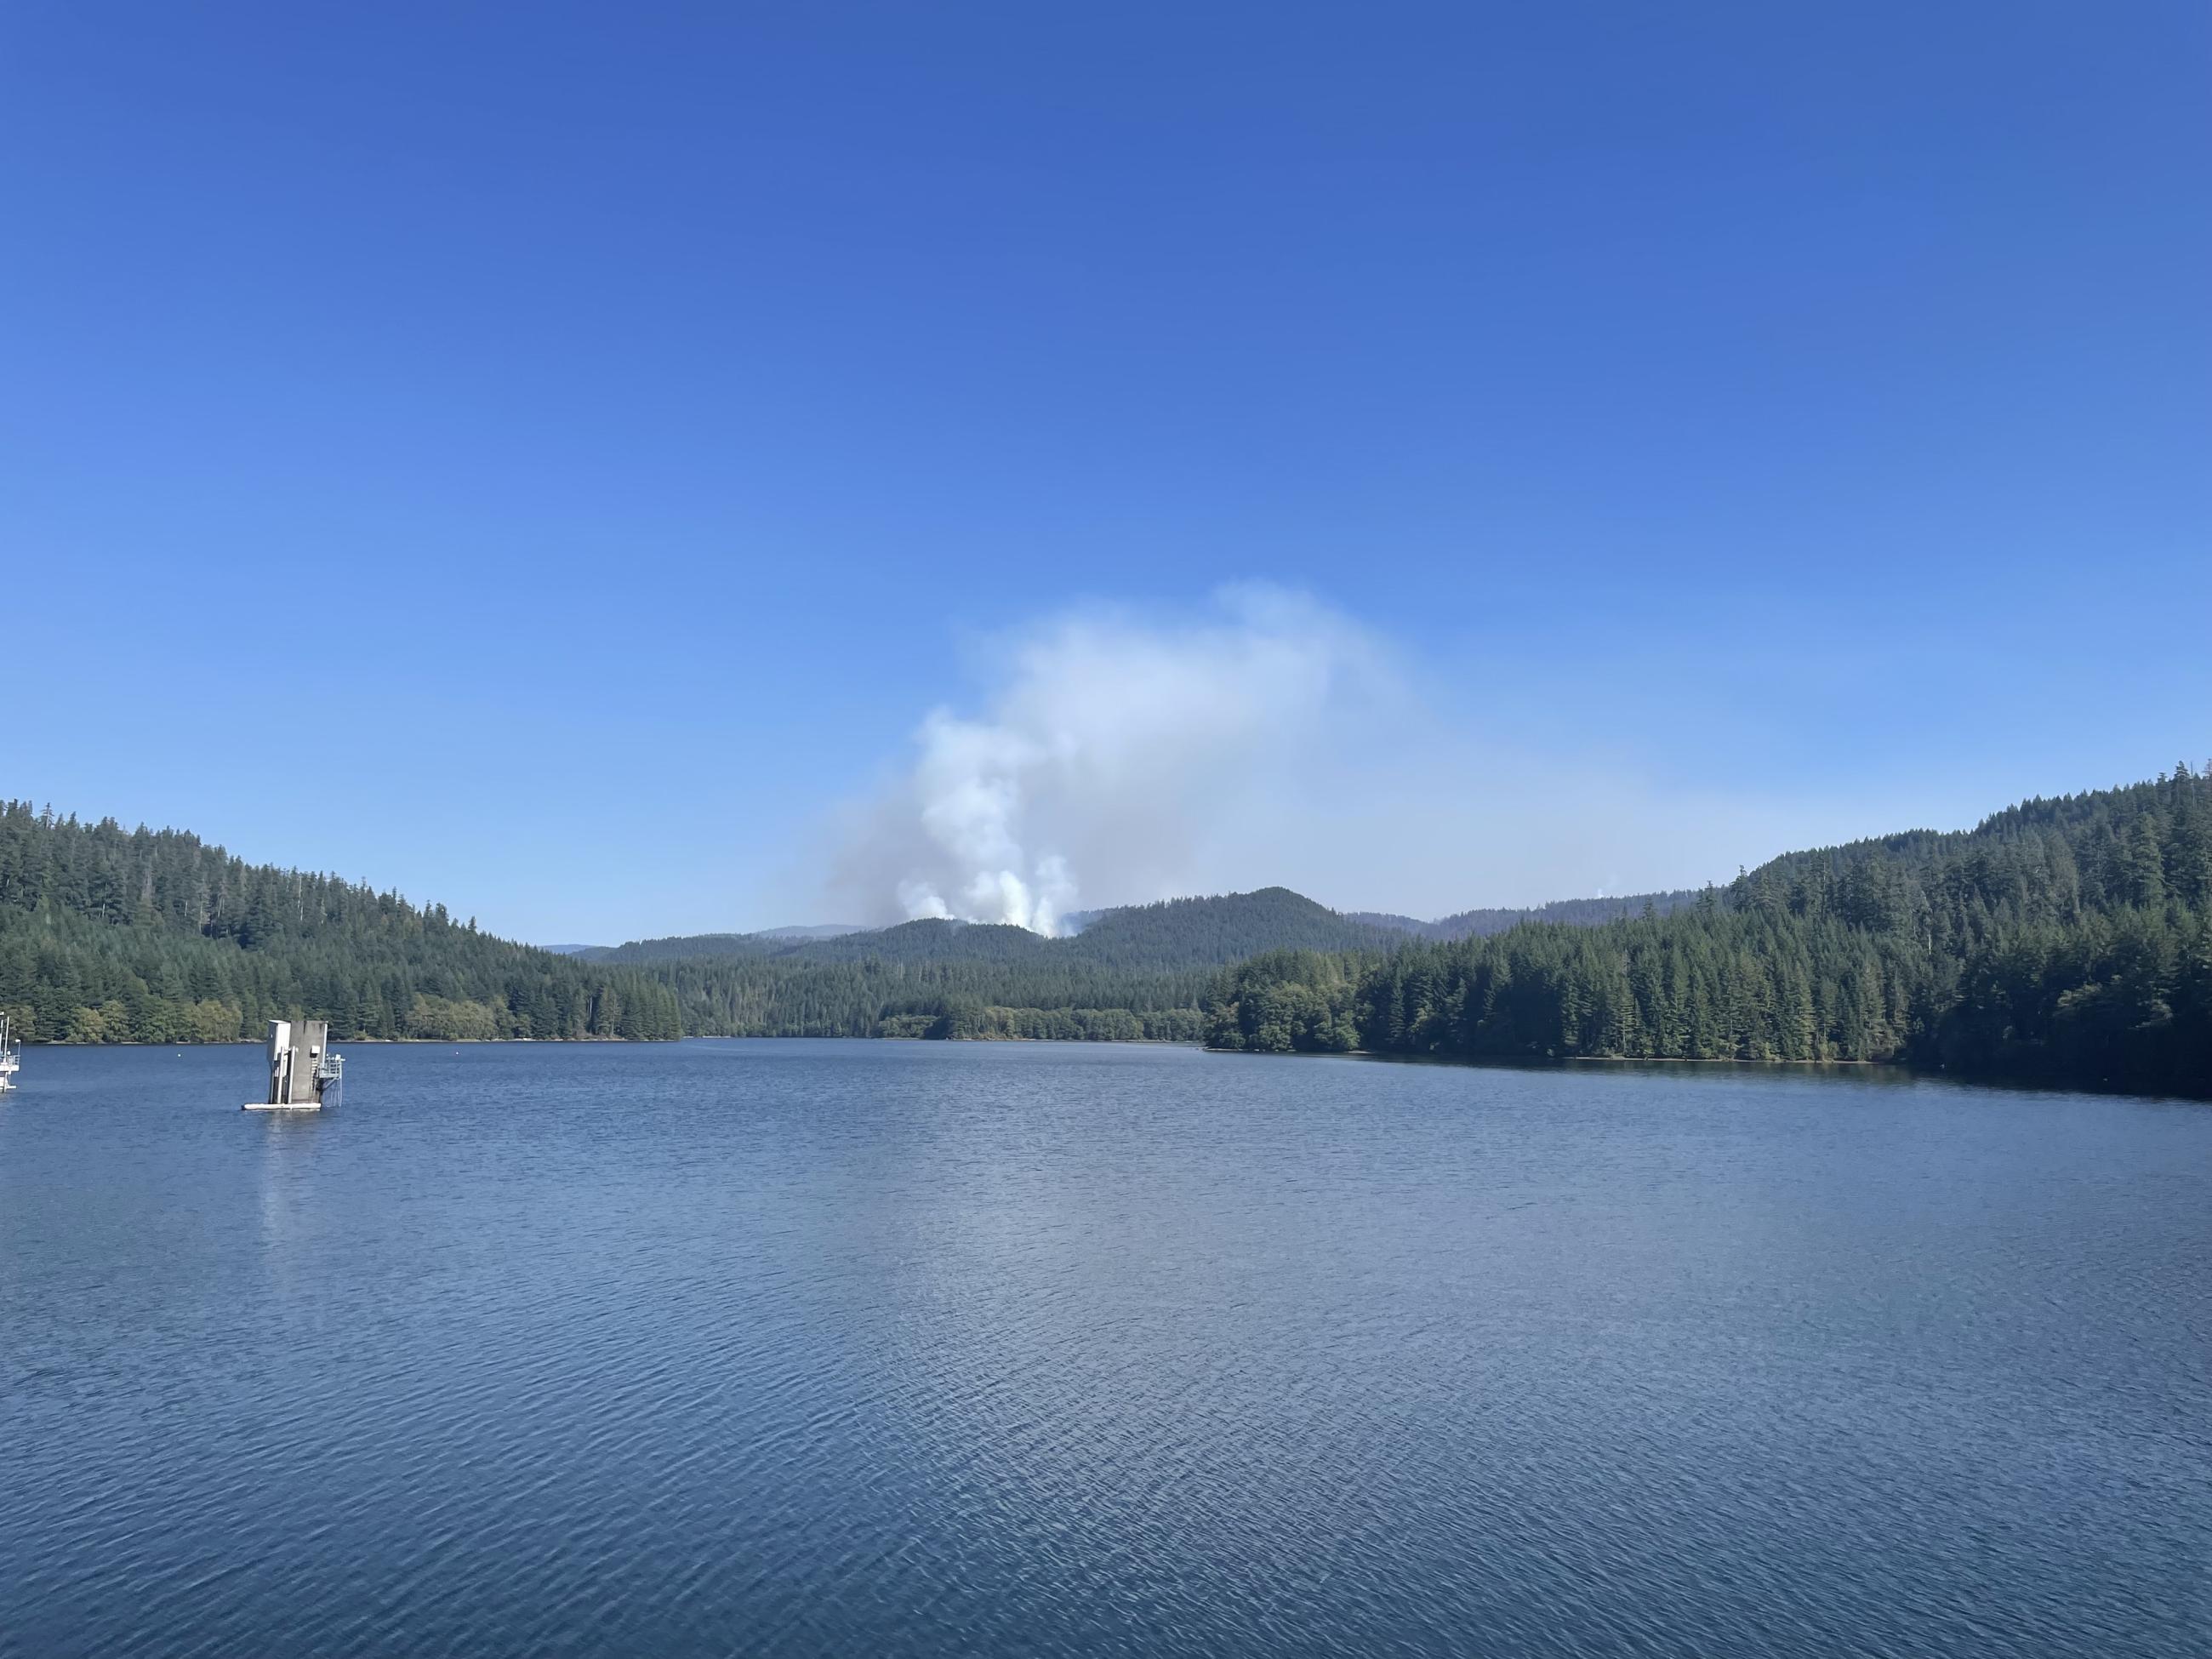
{"x": 624, "y": 425}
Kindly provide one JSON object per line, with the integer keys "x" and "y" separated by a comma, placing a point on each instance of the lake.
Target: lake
{"x": 898, "y": 1348}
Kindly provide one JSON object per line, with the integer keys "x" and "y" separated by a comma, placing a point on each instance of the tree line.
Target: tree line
{"x": 2065, "y": 941}
{"x": 875, "y": 996}
{"x": 2068, "y": 940}
{"x": 109, "y": 935}
{"x": 1135, "y": 974}
{"x": 1580, "y": 913}
{"x": 1179, "y": 933}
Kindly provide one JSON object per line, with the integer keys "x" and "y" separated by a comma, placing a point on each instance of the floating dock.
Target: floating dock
{"x": 304, "y": 1075}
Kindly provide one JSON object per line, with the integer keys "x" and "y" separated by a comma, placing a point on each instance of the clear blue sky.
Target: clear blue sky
{"x": 617, "y": 419}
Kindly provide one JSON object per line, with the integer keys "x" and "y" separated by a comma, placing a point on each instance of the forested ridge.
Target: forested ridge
{"x": 1579, "y": 913}
{"x": 1135, "y": 973}
{"x": 153, "y": 936}
{"x": 1172, "y": 934}
{"x": 2067, "y": 940}
{"x": 874, "y": 997}
{"x": 109, "y": 935}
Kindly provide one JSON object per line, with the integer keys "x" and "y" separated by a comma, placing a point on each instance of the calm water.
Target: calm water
{"x": 928, "y": 1349}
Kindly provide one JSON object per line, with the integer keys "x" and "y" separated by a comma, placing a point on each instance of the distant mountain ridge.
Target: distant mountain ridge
{"x": 1572, "y": 913}
{"x": 1173, "y": 933}
{"x": 1205, "y": 930}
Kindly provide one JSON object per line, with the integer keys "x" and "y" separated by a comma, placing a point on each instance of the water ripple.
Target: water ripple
{"x": 897, "y": 1349}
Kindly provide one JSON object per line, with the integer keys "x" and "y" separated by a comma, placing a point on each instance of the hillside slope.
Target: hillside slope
{"x": 1573, "y": 913}
{"x": 2068, "y": 940}
{"x": 1174, "y": 933}
{"x": 1136, "y": 972}
{"x": 109, "y": 935}
{"x": 1187, "y": 932}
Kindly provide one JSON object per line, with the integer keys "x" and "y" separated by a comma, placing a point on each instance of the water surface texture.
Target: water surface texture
{"x": 888, "y": 1348}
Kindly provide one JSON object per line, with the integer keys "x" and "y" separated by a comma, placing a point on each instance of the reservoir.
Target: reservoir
{"x": 890, "y": 1348}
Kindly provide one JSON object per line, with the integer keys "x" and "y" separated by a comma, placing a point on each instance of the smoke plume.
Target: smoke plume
{"x": 1117, "y": 757}
{"x": 1115, "y": 753}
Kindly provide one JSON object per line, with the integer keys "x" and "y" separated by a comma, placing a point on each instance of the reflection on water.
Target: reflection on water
{"x": 853, "y": 1348}
{"x": 288, "y": 1143}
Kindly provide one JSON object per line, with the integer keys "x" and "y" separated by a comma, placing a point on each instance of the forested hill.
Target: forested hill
{"x": 1194, "y": 932}
{"x": 1575, "y": 913}
{"x": 146, "y": 936}
{"x": 686, "y": 946}
{"x": 908, "y": 942}
{"x": 1172, "y": 935}
{"x": 2068, "y": 940}
{"x": 1131, "y": 972}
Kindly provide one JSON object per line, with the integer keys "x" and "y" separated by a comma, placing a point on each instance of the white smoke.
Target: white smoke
{"x": 1115, "y": 750}
{"x": 1117, "y": 757}
{"x": 971, "y": 788}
